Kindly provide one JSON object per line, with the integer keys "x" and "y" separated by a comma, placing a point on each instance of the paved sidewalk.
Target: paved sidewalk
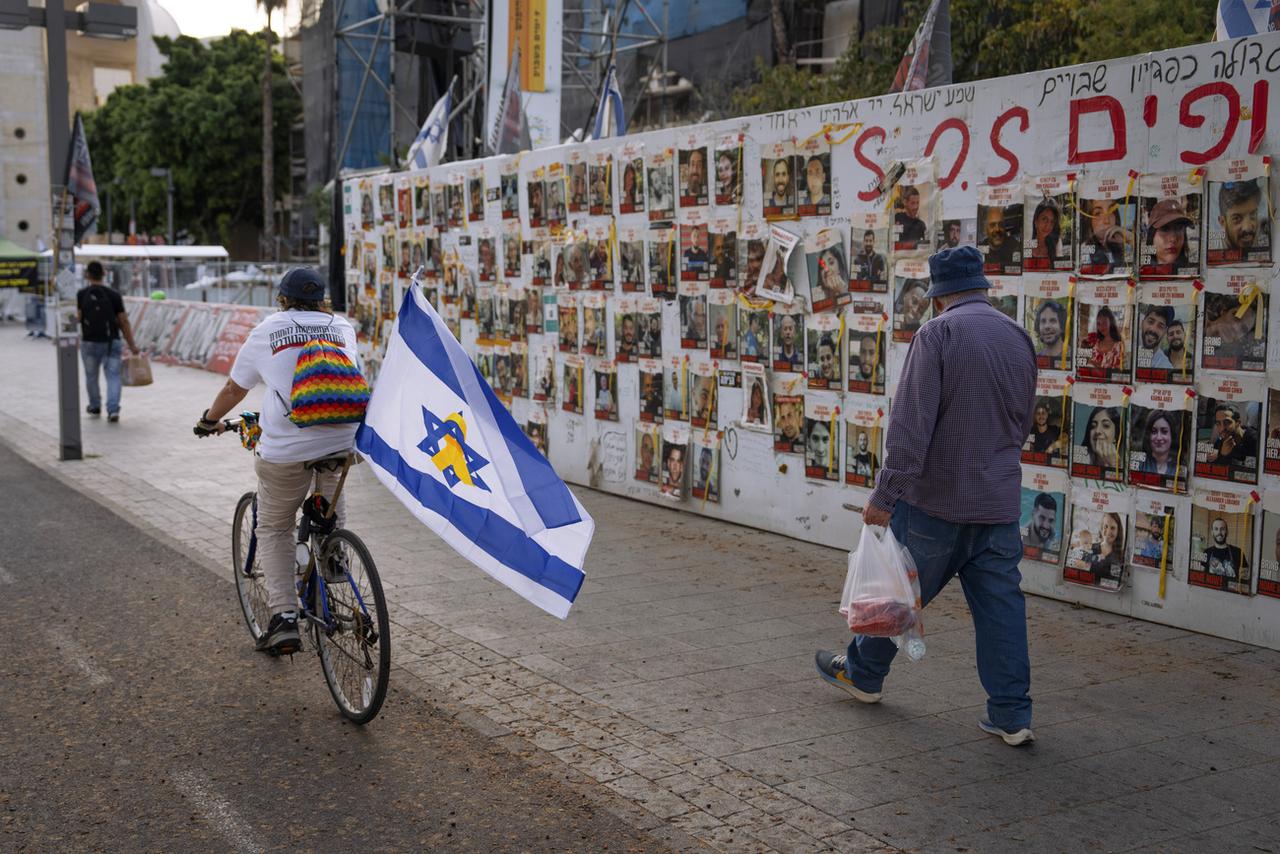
{"x": 683, "y": 682}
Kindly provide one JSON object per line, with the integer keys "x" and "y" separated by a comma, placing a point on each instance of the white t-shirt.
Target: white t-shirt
{"x": 269, "y": 355}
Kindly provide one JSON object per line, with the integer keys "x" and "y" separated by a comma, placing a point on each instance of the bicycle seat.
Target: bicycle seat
{"x": 332, "y": 462}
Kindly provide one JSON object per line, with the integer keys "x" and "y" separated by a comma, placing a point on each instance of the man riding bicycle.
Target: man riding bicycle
{"x": 270, "y": 355}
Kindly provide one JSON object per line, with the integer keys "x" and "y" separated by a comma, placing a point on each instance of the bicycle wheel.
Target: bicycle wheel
{"x": 355, "y": 646}
{"x": 251, "y": 584}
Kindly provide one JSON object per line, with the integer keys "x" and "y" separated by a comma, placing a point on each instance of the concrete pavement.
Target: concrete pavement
{"x": 681, "y": 690}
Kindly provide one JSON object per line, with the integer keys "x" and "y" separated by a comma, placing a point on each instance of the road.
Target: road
{"x": 136, "y": 716}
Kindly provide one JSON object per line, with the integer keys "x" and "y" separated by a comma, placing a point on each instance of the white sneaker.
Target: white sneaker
{"x": 1013, "y": 739}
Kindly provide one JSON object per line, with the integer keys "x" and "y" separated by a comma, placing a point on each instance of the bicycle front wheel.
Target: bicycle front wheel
{"x": 251, "y": 584}
{"x": 354, "y": 641}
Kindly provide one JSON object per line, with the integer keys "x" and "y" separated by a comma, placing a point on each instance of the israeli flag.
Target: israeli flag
{"x": 1238, "y": 18}
{"x": 611, "y": 119}
{"x": 428, "y": 147}
{"x": 442, "y": 442}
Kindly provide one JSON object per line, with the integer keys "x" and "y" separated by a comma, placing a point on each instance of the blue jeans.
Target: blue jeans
{"x": 986, "y": 559}
{"x": 102, "y": 355}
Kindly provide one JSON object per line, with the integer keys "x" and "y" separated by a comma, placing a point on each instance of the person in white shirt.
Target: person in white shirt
{"x": 269, "y": 356}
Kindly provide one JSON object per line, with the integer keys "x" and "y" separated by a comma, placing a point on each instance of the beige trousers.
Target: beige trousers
{"x": 282, "y": 487}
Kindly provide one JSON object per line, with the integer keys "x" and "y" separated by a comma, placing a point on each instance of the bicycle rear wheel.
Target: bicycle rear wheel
{"x": 251, "y": 584}
{"x": 355, "y": 646}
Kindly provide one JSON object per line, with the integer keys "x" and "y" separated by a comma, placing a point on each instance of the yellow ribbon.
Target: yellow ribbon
{"x": 853, "y": 128}
{"x": 1182, "y": 440}
{"x": 821, "y": 132}
{"x": 1121, "y": 463}
{"x": 1164, "y": 553}
{"x": 1066, "y": 411}
{"x": 1066, "y": 338}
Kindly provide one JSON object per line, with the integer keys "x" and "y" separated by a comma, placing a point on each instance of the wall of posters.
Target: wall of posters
{"x": 1127, "y": 206}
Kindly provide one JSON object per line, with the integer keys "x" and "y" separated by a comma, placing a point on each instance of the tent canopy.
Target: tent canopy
{"x": 10, "y": 251}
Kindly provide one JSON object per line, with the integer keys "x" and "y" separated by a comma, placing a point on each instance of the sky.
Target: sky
{"x": 204, "y": 18}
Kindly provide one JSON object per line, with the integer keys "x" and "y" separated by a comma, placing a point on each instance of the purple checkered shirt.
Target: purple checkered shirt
{"x": 962, "y": 411}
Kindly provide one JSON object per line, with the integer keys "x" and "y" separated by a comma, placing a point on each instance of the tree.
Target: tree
{"x": 268, "y": 195}
{"x": 202, "y": 117}
{"x": 989, "y": 38}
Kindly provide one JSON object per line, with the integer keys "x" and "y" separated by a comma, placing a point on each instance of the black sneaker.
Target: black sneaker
{"x": 282, "y": 636}
{"x": 94, "y": 411}
{"x": 831, "y": 667}
{"x": 113, "y": 417}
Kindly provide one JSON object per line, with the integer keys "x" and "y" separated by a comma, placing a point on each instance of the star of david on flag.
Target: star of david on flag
{"x": 438, "y": 437}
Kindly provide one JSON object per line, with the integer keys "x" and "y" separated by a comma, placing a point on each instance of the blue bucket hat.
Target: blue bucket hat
{"x": 955, "y": 270}
{"x": 304, "y": 283}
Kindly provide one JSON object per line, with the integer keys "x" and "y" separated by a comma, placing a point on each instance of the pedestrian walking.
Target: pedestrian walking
{"x": 103, "y": 320}
{"x": 950, "y": 486}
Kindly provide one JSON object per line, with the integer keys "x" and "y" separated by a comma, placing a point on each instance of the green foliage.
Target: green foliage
{"x": 989, "y": 38}
{"x": 203, "y": 119}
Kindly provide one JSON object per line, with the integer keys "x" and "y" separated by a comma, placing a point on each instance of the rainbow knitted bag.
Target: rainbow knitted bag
{"x": 327, "y": 387}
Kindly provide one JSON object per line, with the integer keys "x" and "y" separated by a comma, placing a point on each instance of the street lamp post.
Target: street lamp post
{"x": 91, "y": 19}
{"x": 167, "y": 174}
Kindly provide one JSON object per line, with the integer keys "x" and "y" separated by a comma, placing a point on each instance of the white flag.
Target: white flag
{"x": 442, "y": 442}
{"x": 428, "y": 147}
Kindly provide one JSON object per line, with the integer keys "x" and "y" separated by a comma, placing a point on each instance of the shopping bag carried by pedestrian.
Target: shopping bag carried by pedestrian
{"x": 882, "y": 591}
{"x": 135, "y": 369}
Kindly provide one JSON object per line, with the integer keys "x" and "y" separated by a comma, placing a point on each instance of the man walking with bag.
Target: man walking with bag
{"x": 950, "y": 486}
{"x": 102, "y": 317}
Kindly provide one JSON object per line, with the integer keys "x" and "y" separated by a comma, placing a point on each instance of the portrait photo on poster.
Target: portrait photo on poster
{"x": 1000, "y": 229}
{"x": 703, "y": 395}
{"x": 824, "y": 351}
{"x": 911, "y": 304}
{"x": 1160, "y": 438}
{"x": 1103, "y": 331}
{"x": 572, "y": 391}
{"x": 1227, "y": 431}
{"x": 778, "y": 180}
{"x": 1222, "y": 541}
{"x": 1105, "y": 225}
{"x": 695, "y": 263}
{"x": 775, "y": 280}
{"x": 606, "y": 391}
{"x": 693, "y": 174}
{"x": 662, "y": 262}
{"x": 728, "y": 154}
{"x": 754, "y": 332}
{"x": 1096, "y": 555}
{"x": 1047, "y": 315}
{"x": 1049, "y": 441}
{"x": 1098, "y": 433}
{"x": 693, "y": 316}
{"x": 724, "y": 254}
{"x": 722, "y": 314}
{"x": 626, "y": 337}
{"x": 1042, "y": 515}
{"x": 1169, "y": 225}
{"x": 864, "y": 444}
{"x": 1238, "y": 223}
{"x": 631, "y": 195}
{"x": 706, "y": 469}
{"x": 1269, "y": 553}
{"x": 788, "y": 416}
{"x": 648, "y": 439}
{"x": 631, "y": 261}
{"x": 813, "y": 168}
{"x": 662, "y": 199}
{"x": 1167, "y": 337}
{"x": 651, "y": 391}
{"x": 788, "y": 342}
{"x": 649, "y": 328}
{"x": 509, "y": 182}
{"x": 1048, "y": 242}
{"x": 756, "y": 411}
{"x": 675, "y": 395}
{"x": 675, "y": 452}
{"x": 1235, "y": 322}
{"x": 600, "y": 181}
{"x": 828, "y": 271}
{"x": 1156, "y": 533}
{"x": 869, "y": 248}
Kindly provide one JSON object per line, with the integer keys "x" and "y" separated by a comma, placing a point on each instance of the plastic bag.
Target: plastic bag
{"x": 135, "y": 370}
{"x": 881, "y": 595}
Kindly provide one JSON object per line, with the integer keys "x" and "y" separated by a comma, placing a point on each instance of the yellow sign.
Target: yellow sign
{"x": 527, "y": 26}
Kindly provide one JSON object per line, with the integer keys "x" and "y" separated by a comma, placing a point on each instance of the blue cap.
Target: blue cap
{"x": 955, "y": 270}
{"x": 304, "y": 283}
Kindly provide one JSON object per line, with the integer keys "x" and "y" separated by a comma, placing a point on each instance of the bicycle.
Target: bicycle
{"x": 339, "y": 593}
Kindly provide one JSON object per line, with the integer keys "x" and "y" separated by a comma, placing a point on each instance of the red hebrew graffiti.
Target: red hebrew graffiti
{"x": 950, "y": 124}
{"x": 1119, "y": 133}
{"x": 1024, "y": 121}
{"x": 868, "y": 195}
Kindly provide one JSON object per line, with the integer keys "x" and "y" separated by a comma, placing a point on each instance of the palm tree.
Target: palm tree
{"x": 268, "y": 147}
